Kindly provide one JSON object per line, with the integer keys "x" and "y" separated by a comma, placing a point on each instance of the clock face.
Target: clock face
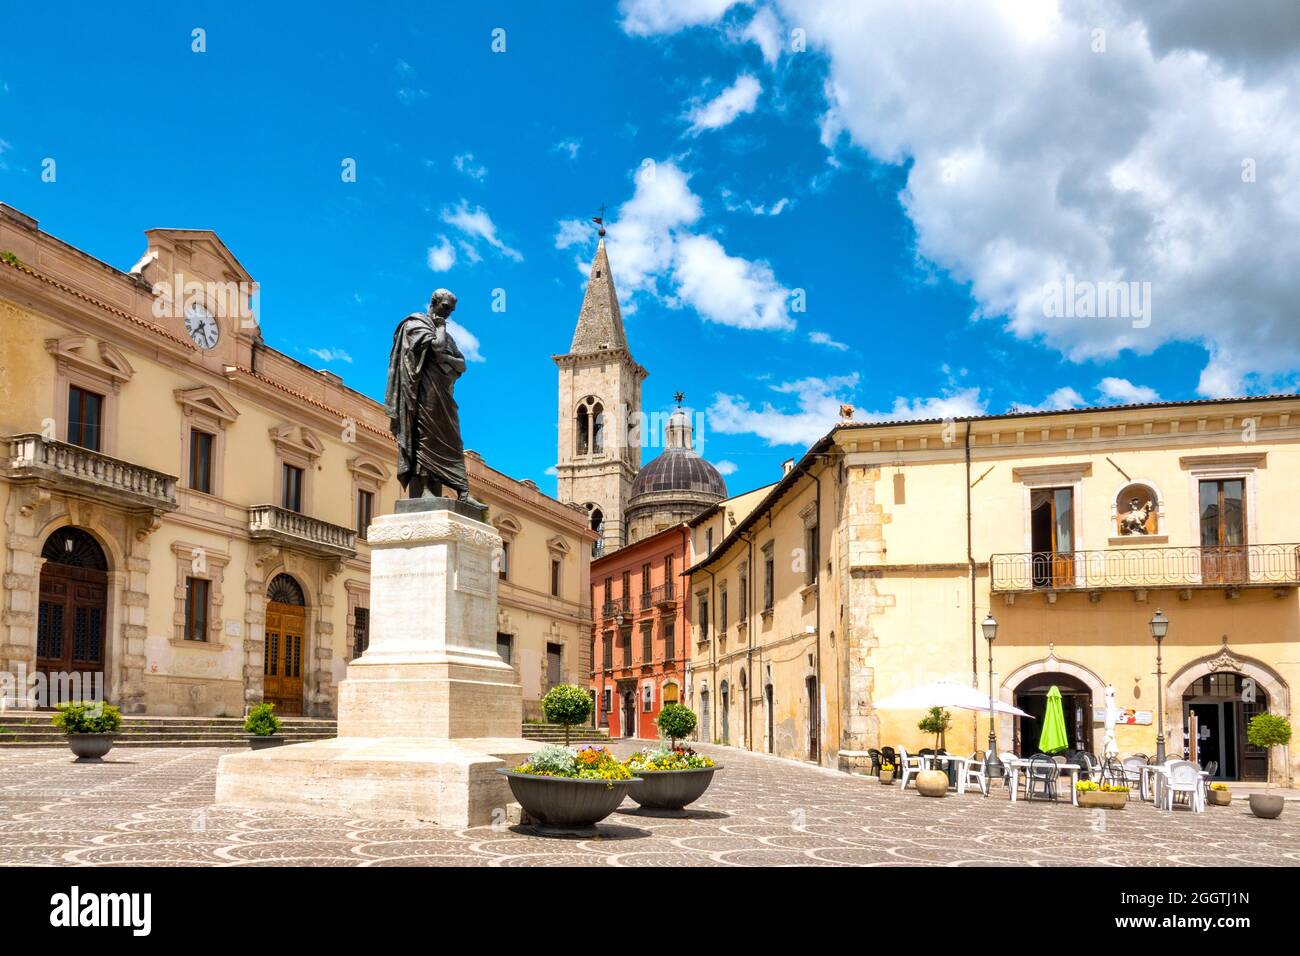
{"x": 201, "y": 326}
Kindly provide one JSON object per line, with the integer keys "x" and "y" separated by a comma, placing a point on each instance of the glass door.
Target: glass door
{"x": 1223, "y": 531}
{"x": 1052, "y": 537}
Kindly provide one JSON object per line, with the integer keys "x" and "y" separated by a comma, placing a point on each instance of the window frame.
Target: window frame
{"x": 198, "y": 613}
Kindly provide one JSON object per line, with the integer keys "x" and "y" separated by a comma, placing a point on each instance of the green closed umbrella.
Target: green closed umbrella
{"x": 1053, "y": 736}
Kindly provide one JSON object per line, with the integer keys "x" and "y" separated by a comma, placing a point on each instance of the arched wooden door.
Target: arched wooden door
{"x": 72, "y": 614}
{"x": 286, "y": 625}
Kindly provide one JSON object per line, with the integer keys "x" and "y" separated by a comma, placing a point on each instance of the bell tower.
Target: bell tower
{"x": 600, "y": 410}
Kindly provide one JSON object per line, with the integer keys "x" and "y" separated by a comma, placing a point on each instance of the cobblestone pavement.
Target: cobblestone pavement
{"x": 153, "y": 807}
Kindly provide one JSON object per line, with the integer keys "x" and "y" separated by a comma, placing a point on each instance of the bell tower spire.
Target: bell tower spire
{"x": 599, "y": 407}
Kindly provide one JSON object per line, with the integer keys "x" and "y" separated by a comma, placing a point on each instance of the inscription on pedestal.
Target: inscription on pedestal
{"x": 472, "y": 573}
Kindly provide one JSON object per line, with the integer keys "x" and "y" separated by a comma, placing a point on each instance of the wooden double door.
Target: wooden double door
{"x": 70, "y": 625}
{"x": 286, "y": 626}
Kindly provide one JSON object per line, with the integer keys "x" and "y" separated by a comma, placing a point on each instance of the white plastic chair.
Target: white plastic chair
{"x": 1184, "y": 777}
{"x": 908, "y": 766}
{"x": 1007, "y": 757}
{"x": 976, "y": 772}
{"x": 1133, "y": 775}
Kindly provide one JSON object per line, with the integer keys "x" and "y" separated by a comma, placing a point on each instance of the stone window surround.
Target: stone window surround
{"x": 358, "y": 593}
{"x": 1219, "y": 468}
{"x": 559, "y": 550}
{"x": 301, "y": 452}
{"x": 368, "y": 474}
{"x": 769, "y": 555}
{"x": 104, "y": 377}
{"x": 1066, "y": 475}
{"x": 214, "y": 572}
{"x": 507, "y": 527}
{"x": 204, "y": 409}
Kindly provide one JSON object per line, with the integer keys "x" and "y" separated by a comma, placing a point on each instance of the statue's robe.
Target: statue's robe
{"x": 422, "y": 413}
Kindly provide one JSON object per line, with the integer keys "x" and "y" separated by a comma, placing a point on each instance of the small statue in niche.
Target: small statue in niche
{"x": 1134, "y": 521}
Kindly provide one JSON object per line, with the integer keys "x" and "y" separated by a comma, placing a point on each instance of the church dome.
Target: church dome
{"x": 679, "y": 469}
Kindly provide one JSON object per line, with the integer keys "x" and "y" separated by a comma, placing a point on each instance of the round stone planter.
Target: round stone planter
{"x": 1102, "y": 800}
{"x": 261, "y": 743}
{"x": 90, "y": 748}
{"x": 1266, "y": 806}
{"x": 671, "y": 789}
{"x": 566, "y": 804}
{"x": 887, "y": 777}
{"x": 1220, "y": 798}
{"x": 932, "y": 783}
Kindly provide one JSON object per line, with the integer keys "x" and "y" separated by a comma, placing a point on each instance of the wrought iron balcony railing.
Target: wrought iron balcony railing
{"x": 300, "y": 531}
{"x": 1249, "y": 565}
{"x": 663, "y": 594}
{"x": 72, "y": 468}
{"x": 615, "y": 607}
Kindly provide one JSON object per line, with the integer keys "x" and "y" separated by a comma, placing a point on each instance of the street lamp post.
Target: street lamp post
{"x": 1159, "y": 628}
{"x": 992, "y": 765}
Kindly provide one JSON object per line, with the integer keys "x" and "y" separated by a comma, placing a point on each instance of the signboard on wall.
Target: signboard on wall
{"x": 1123, "y": 715}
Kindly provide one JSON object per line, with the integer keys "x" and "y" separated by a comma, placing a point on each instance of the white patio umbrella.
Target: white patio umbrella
{"x": 1110, "y": 748}
{"x": 945, "y": 693}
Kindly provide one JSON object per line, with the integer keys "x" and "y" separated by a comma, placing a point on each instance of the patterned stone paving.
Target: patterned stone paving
{"x": 153, "y": 807}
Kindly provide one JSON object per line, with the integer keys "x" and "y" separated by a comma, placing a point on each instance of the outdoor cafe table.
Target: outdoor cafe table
{"x": 961, "y": 763}
{"x": 1152, "y": 781}
{"x": 1020, "y": 763}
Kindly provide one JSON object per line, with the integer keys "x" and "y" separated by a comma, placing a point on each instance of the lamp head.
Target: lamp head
{"x": 990, "y": 628}
{"x": 1159, "y": 625}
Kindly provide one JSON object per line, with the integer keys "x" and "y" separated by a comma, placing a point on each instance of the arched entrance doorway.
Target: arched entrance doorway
{"x": 724, "y": 711}
{"x": 1224, "y": 702}
{"x": 629, "y": 710}
{"x": 286, "y": 625}
{"x": 72, "y": 615}
{"x": 1076, "y": 705}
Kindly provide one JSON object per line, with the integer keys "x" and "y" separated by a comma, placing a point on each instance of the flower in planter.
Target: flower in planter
{"x": 1219, "y": 787}
{"x": 886, "y": 768}
{"x": 1091, "y": 786}
{"x": 678, "y": 758}
{"x": 589, "y": 763}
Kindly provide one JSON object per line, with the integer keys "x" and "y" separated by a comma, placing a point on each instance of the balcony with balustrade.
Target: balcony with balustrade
{"x": 300, "y": 532}
{"x": 71, "y": 469}
{"x": 1183, "y": 569}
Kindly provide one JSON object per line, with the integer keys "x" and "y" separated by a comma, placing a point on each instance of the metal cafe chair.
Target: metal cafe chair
{"x": 1043, "y": 774}
{"x": 876, "y": 761}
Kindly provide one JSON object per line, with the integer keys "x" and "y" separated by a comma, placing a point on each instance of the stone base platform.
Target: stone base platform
{"x": 451, "y": 783}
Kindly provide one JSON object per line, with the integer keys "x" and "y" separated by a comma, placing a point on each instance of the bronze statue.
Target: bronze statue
{"x": 1135, "y": 520}
{"x": 422, "y": 371}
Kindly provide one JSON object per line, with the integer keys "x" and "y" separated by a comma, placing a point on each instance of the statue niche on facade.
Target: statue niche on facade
{"x": 423, "y": 416}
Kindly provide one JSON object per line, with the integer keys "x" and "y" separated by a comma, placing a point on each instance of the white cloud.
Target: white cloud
{"x": 726, "y": 467}
{"x": 477, "y": 224}
{"x": 816, "y": 409}
{"x": 739, "y": 98}
{"x": 654, "y": 250}
{"x": 1125, "y": 392}
{"x": 646, "y": 17}
{"x": 568, "y": 148}
{"x": 552, "y": 471}
{"x": 328, "y": 355}
{"x": 466, "y": 341}
{"x": 442, "y": 256}
{"x": 765, "y": 31}
{"x": 748, "y": 205}
{"x": 1050, "y": 159}
{"x": 1063, "y": 398}
{"x": 822, "y": 338}
{"x": 465, "y": 163}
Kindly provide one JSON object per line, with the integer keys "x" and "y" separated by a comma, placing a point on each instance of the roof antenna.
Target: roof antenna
{"x": 600, "y": 221}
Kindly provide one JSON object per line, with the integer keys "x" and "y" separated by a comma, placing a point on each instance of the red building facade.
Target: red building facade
{"x": 640, "y": 632}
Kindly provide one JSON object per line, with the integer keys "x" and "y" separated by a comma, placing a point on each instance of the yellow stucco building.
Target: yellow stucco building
{"x": 185, "y": 508}
{"x": 872, "y": 565}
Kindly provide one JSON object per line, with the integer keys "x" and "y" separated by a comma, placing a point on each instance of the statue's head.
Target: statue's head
{"x": 442, "y": 303}
{"x": 1135, "y": 503}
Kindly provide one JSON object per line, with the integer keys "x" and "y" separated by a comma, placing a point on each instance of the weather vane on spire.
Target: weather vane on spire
{"x": 600, "y": 221}
{"x": 679, "y": 397}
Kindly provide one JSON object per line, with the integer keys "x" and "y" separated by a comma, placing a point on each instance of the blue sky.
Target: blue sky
{"x": 808, "y": 203}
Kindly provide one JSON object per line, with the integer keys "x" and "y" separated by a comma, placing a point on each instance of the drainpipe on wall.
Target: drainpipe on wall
{"x": 970, "y": 564}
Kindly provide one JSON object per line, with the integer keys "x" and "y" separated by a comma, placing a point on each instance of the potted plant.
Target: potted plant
{"x": 567, "y": 705}
{"x": 563, "y": 790}
{"x": 671, "y": 778}
{"x": 887, "y": 773}
{"x": 934, "y": 783}
{"x": 90, "y": 726}
{"x": 261, "y": 725}
{"x": 1267, "y": 731}
{"x": 1101, "y": 796}
{"x": 1220, "y": 795}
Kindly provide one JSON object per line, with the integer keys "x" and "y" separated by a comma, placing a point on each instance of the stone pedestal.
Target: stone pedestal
{"x": 430, "y": 710}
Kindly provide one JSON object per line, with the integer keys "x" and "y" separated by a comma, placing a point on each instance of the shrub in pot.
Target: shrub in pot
{"x": 1220, "y": 795}
{"x": 934, "y": 783}
{"x": 887, "y": 773}
{"x": 1267, "y": 731}
{"x": 567, "y": 705}
{"x": 565, "y": 790}
{"x": 676, "y": 722}
{"x": 90, "y": 726}
{"x": 261, "y": 725}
